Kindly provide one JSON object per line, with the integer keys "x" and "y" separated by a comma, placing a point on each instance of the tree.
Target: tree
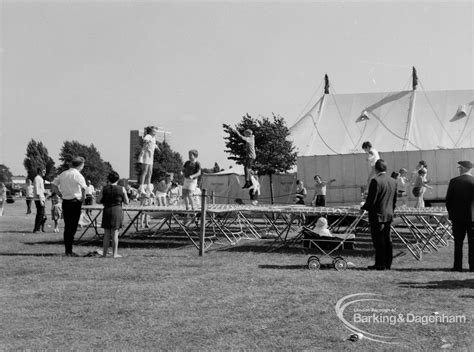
{"x": 37, "y": 157}
{"x": 5, "y": 174}
{"x": 214, "y": 169}
{"x": 275, "y": 153}
{"x": 95, "y": 169}
{"x": 165, "y": 160}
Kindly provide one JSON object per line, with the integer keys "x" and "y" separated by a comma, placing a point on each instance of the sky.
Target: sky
{"x": 91, "y": 71}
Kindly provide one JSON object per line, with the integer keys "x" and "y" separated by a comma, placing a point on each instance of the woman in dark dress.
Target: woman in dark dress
{"x": 112, "y": 197}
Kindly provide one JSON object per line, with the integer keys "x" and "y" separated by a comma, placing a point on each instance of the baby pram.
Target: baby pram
{"x": 327, "y": 243}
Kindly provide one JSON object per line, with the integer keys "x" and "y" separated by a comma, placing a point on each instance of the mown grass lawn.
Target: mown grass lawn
{"x": 161, "y": 296}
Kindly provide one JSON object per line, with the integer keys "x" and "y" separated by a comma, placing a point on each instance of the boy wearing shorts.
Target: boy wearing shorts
{"x": 191, "y": 171}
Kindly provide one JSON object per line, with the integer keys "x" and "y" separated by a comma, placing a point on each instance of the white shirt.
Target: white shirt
{"x": 38, "y": 187}
{"x": 90, "y": 190}
{"x": 373, "y": 157}
{"x": 70, "y": 183}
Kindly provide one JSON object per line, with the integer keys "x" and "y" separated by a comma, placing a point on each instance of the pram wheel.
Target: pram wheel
{"x": 313, "y": 263}
{"x": 340, "y": 264}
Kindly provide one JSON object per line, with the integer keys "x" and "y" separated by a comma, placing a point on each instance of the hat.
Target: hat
{"x": 321, "y": 227}
{"x": 466, "y": 164}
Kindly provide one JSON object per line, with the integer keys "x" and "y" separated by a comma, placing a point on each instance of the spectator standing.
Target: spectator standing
{"x": 460, "y": 206}
{"x": 72, "y": 185}
{"x": 3, "y": 197}
{"x": 380, "y": 204}
{"x": 29, "y": 194}
{"x": 112, "y": 197}
{"x": 40, "y": 200}
{"x": 56, "y": 210}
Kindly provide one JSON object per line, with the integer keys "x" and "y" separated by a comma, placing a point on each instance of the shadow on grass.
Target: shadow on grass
{"x": 283, "y": 267}
{"x": 18, "y": 231}
{"x": 31, "y": 255}
{"x": 443, "y": 284}
{"x": 122, "y": 244}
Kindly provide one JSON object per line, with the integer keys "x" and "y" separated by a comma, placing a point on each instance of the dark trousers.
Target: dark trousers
{"x": 380, "y": 232}
{"x": 247, "y": 167}
{"x": 28, "y": 205}
{"x": 40, "y": 215}
{"x": 460, "y": 229}
{"x": 320, "y": 200}
{"x": 71, "y": 215}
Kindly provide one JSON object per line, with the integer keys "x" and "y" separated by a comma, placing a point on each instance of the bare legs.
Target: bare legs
{"x": 145, "y": 177}
{"x": 107, "y": 235}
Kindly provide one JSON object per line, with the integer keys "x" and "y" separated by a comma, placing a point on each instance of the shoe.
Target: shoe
{"x": 247, "y": 184}
{"x": 72, "y": 254}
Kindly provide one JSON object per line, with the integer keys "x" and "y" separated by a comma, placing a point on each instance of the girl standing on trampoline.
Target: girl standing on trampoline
{"x": 146, "y": 157}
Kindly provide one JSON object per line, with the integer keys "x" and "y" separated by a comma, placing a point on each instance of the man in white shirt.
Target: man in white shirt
{"x": 40, "y": 199}
{"x": 72, "y": 186}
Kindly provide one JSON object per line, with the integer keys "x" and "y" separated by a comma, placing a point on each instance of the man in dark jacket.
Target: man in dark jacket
{"x": 380, "y": 204}
{"x": 460, "y": 205}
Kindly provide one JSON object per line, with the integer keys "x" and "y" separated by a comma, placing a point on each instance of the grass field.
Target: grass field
{"x": 162, "y": 295}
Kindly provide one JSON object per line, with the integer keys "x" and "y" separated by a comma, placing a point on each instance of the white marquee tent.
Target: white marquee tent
{"x": 405, "y": 127}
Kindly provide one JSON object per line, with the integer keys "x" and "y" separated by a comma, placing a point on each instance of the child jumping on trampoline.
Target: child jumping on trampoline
{"x": 319, "y": 199}
{"x": 249, "y": 140}
{"x": 146, "y": 157}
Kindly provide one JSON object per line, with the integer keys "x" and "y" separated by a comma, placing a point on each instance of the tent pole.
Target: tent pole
{"x": 411, "y": 111}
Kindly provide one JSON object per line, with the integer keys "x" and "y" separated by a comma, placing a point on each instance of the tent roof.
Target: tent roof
{"x": 333, "y": 124}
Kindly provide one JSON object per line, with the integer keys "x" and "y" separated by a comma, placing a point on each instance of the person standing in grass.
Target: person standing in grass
{"x": 380, "y": 203}
{"x": 40, "y": 199}
{"x": 29, "y": 194}
{"x": 460, "y": 206}
{"x": 112, "y": 197}
{"x": 72, "y": 186}
{"x": 3, "y": 197}
{"x": 56, "y": 210}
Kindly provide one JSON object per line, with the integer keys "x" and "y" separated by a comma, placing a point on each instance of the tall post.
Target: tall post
{"x": 213, "y": 198}
{"x": 411, "y": 110}
{"x": 202, "y": 234}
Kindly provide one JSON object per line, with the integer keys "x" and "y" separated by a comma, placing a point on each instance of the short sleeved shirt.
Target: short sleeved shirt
{"x": 191, "y": 167}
